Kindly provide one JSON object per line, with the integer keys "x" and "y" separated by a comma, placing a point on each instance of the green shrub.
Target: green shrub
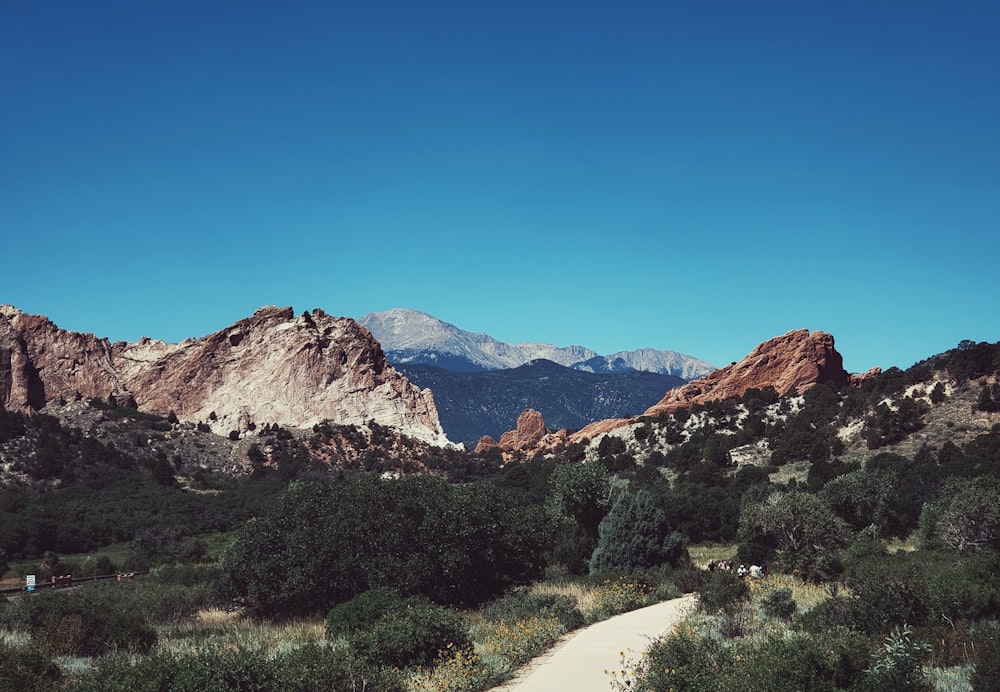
{"x": 26, "y": 669}
{"x": 689, "y": 660}
{"x": 689, "y": 579}
{"x": 309, "y": 668}
{"x": 862, "y": 552}
{"x": 520, "y": 605}
{"x": 987, "y": 672}
{"x": 77, "y": 624}
{"x": 684, "y": 660}
{"x": 800, "y": 662}
{"x": 314, "y": 667}
{"x": 899, "y": 666}
{"x": 412, "y": 635}
{"x": 362, "y": 612}
{"x": 306, "y": 554}
{"x": 619, "y": 595}
{"x": 722, "y": 590}
{"x": 752, "y": 553}
{"x": 779, "y": 603}
{"x": 168, "y": 594}
{"x": 883, "y": 595}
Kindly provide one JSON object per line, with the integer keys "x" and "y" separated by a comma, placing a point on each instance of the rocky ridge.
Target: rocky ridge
{"x": 791, "y": 363}
{"x": 272, "y": 367}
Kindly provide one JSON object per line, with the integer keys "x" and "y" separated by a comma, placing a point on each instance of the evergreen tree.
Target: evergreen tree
{"x": 636, "y": 535}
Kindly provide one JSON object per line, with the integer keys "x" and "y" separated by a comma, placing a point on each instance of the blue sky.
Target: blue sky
{"x": 687, "y": 176}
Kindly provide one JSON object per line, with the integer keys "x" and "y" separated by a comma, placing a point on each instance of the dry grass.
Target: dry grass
{"x": 805, "y": 594}
{"x": 905, "y": 545}
{"x": 701, "y": 555}
{"x": 588, "y": 596}
{"x": 798, "y": 470}
{"x": 222, "y": 629}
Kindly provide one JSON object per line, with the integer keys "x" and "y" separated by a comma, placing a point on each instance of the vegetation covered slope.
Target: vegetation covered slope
{"x": 474, "y": 404}
{"x": 815, "y": 487}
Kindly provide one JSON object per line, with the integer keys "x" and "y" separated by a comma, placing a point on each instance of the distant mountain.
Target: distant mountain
{"x": 473, "y": 404}
{"x": 409, "y": 337}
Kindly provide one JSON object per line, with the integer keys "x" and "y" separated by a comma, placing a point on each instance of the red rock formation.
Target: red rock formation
{"x": 486, "y": 443}
{"x": 869, "y": 374}
{"x": 530, "y": 429}
{"x": 791, "y": 363}
{"x": 40, "y": 363}
{"x": 529, "y": 435}
{"x": 272, "y": 367}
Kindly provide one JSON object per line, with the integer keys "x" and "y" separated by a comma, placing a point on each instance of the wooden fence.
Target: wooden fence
{"x": 65, "y": 581}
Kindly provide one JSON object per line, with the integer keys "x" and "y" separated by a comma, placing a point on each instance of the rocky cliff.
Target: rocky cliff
{"x": 272, "y": 367}
{"x": 791, "y": 363}
{"x": 530, "y": 429}
{"x": 40, "y": 363}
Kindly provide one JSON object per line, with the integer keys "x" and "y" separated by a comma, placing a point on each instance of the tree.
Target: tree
{"x": 324, "y": 543}
{"x": 989, "y": 398}
{"x": 635, "y": 535}
{"x": 863, "y": 498}
{"x": 581, "y": 492}
{"x": 798, "y": 524}
{"x": 887, "y": 426}
{"x": 966, "y": 517}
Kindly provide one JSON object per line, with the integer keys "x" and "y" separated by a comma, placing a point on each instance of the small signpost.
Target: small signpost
{"x": 30, "y": 583}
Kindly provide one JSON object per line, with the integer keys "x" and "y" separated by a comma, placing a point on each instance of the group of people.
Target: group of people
{"x": 753, "y": 571}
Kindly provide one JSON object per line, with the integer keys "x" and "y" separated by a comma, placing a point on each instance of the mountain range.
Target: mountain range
{"x": 473, "y": 404}
{"x": 409, "y": 337}
{"x": 340, "y": 403}
{"x": 481, "y": 385}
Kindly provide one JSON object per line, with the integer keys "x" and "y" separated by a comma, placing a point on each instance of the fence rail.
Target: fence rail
{"x": 66, "y": 581}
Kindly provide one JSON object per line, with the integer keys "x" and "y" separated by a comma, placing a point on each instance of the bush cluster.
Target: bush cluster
{"x": 83, "y": 623}
{"x": 386, "y": 628}
{"x": 26, "y": 669}
{"x": 324, "y": 543}
{"x": 311, "y": 667}
{"x": 521, "y": 605}
{"x": 693, "y": 660}
{"x": 917, "y": 589}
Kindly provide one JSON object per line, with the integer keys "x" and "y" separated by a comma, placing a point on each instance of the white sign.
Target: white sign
{"x": 31, "y": 582}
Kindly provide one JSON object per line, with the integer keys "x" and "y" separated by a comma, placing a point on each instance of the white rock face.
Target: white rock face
{"x": 296, "y": 371}
{"x": 272, "y": 367}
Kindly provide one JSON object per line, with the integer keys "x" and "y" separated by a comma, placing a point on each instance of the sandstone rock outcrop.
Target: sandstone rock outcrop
{"x": 529, "y": 431}
{"x": 486, "y": 443}
{"x": 272, "y": 367}
{"x": 530, "y": 434}
{"x": 791, "y": 363}
{"x": 869, "y": 374}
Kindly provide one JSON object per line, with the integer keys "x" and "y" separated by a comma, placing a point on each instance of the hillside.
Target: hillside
{"x": 474, "y": 404}
{"x": 937, "y": 419}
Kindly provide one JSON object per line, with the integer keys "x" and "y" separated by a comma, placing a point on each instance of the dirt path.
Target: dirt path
{"x": 579, "y": 660}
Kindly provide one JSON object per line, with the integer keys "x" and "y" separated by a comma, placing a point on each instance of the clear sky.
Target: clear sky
{"x": 676, "y": 175}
